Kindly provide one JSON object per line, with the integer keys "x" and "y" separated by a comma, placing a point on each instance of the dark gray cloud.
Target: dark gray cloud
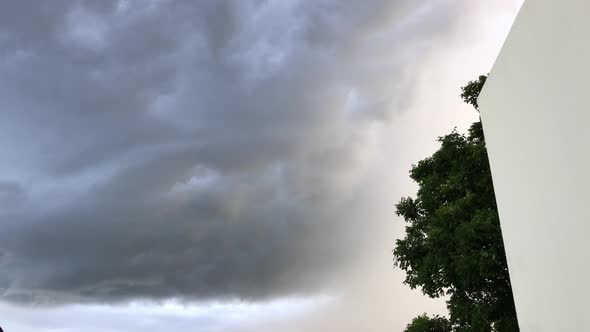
{"x": 194, "y": 149}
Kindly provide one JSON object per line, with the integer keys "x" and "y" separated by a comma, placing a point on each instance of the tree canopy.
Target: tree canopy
{"x": 453, "y": 243}
{"x": 423, "y": 323}
{"x": 471, "y": 91}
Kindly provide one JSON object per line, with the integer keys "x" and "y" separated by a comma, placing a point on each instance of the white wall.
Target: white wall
{"x": 537, "y": 124}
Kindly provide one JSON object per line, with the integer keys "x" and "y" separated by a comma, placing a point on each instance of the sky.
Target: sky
{"x": 227, "y": 165}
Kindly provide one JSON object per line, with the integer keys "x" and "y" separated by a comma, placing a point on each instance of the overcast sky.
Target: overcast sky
{"x": 222, "y": 165}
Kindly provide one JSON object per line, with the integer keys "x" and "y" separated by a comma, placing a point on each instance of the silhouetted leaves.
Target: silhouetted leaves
{"x": 471, "y": 91}
{"x": 453, "y": 244}
{"x": 424, "y": 323}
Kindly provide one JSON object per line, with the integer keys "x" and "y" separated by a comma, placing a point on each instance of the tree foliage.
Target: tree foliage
{"x": 453, "y": 243}
{"x": 471, "y": 91}
{"x": 423, "y": 323}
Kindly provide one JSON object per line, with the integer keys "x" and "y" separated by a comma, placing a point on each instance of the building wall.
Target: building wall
{"x": 537, "y": 125}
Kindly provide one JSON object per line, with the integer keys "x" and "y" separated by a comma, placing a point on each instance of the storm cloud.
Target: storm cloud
{"x": 196, "y": 149}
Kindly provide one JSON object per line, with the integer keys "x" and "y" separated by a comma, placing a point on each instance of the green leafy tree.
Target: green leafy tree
{"x": 453, "y": 243}
{"x": 424, "y": 323}
{"x": 471, "y": 91}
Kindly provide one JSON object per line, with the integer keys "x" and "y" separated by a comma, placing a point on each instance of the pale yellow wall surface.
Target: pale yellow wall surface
{"x": 536, "y": 120}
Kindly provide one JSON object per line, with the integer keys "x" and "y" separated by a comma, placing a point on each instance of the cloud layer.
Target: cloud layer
{"x": 196, "y": 149}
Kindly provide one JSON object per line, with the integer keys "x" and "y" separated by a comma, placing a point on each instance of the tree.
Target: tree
{"x": 424, "y": 323}
{"x": 453, "y": 243}
{"x": 471, "y": 91}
